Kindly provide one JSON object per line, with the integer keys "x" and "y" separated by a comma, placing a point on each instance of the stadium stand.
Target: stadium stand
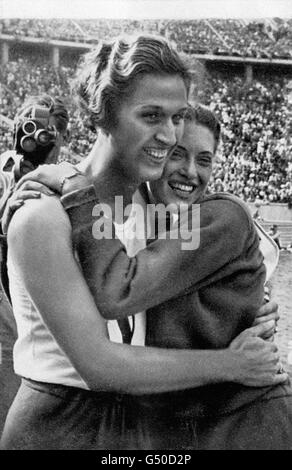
{"x": 260, "y": 38}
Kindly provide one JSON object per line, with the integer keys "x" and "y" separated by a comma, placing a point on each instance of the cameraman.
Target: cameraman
{"x": 50, "y": 116}
{"x": 53, "y": 118}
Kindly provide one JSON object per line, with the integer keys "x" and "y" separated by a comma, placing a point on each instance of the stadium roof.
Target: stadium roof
{"x": 147, "y": 9}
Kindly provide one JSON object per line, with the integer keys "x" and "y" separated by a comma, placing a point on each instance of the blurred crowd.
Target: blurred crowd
{"x": 267, "y": 38}
{"x": 260, "y": 39}
{"x": 76, "y": 30}
{"x": 255, "y": 157}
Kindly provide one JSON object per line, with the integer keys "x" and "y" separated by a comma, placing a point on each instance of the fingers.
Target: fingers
{"x": 32, "y": 176}
{"x": 260, "y": 363}
{"x": 34, "y": 186}
{"x": 28, "y": 190}
{"x": 30, "y": 185}
{"x": 24, "y": 195}
{"x": 37, "y": 175}
{"x": 8, "y": 213}
{"x": 272, "y": 316}
{"x": 261, "y": 329}
{"x": 15, "y": 205}
{"x": 268, "y": 308}
{"x": 50, "y": 175}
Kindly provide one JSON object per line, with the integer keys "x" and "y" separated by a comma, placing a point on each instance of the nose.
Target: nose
{"x": 167, "y": 134}
{"x": 189, "y": 170}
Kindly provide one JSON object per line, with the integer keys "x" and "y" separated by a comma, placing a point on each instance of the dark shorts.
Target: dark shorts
{"x": 263, "y": 424}
{"x": 47, "y": 416}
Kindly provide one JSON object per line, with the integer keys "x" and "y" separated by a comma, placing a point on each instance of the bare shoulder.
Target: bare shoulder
{"x": 39, "y": 218}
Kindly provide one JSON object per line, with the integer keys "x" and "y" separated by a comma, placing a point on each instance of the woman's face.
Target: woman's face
{"x": 188, "y": 169}
{"x": 149, "y": 124}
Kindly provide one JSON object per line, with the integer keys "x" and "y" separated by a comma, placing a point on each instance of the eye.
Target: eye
{"x": 204, "y": 160}
{"x": 177, "y": 154}
{"x": 178, "y": 118}
{"x": 151, "y": 117}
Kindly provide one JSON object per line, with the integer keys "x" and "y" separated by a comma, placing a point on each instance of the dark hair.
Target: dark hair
{"x": 55, "y": 105}
{"x": 204, "y": 116}
{"x": 106, "y": 74}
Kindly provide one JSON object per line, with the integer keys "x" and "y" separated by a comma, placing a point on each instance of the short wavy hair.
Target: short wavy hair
{"x": 105, "y": 75}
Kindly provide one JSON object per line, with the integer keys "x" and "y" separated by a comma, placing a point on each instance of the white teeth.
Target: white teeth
{"x": 182, "y": 187}
{"x": 157, "y": 153}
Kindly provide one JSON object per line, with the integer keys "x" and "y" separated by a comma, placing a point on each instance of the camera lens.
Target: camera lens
{"x": 42, "y": 137}
{"x": 29, "y": 127}
{"x": 28, "y": 144}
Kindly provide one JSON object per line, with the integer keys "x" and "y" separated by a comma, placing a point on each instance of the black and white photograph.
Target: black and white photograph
{"x": 146, "y": 227}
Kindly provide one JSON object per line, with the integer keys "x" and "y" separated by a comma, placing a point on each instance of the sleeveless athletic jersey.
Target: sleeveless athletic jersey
{"x": 37, "y": 355}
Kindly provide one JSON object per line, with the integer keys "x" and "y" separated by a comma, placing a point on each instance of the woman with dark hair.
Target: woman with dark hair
{"x": 80, "y": 389}
{"x": 221, "y": 416}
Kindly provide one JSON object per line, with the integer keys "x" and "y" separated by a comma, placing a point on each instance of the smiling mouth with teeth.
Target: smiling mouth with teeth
{"x": 185, "y": 189}
{"x": 157, "y": 154}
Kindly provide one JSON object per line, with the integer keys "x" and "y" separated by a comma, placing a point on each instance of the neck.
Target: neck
{"x": 103, "y": 169}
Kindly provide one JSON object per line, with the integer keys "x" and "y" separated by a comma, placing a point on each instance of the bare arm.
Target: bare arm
{"x": 39, "y": 239}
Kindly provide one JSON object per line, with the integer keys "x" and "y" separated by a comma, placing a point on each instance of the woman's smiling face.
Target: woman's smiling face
{"x": 188, "y": 169}
{"x": 149, "y": 124}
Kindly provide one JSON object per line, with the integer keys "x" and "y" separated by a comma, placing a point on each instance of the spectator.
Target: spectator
{"x": 275, "y": 235}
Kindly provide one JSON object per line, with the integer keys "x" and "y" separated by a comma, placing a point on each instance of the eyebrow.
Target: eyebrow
{"x": 152, "y": 106}
{"x": 179, "y": 148}
{"x": 159, "y": 108}
{"x": 206, "y": 152}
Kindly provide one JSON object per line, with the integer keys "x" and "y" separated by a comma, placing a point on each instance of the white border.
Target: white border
{"x": 145, "y": 9}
